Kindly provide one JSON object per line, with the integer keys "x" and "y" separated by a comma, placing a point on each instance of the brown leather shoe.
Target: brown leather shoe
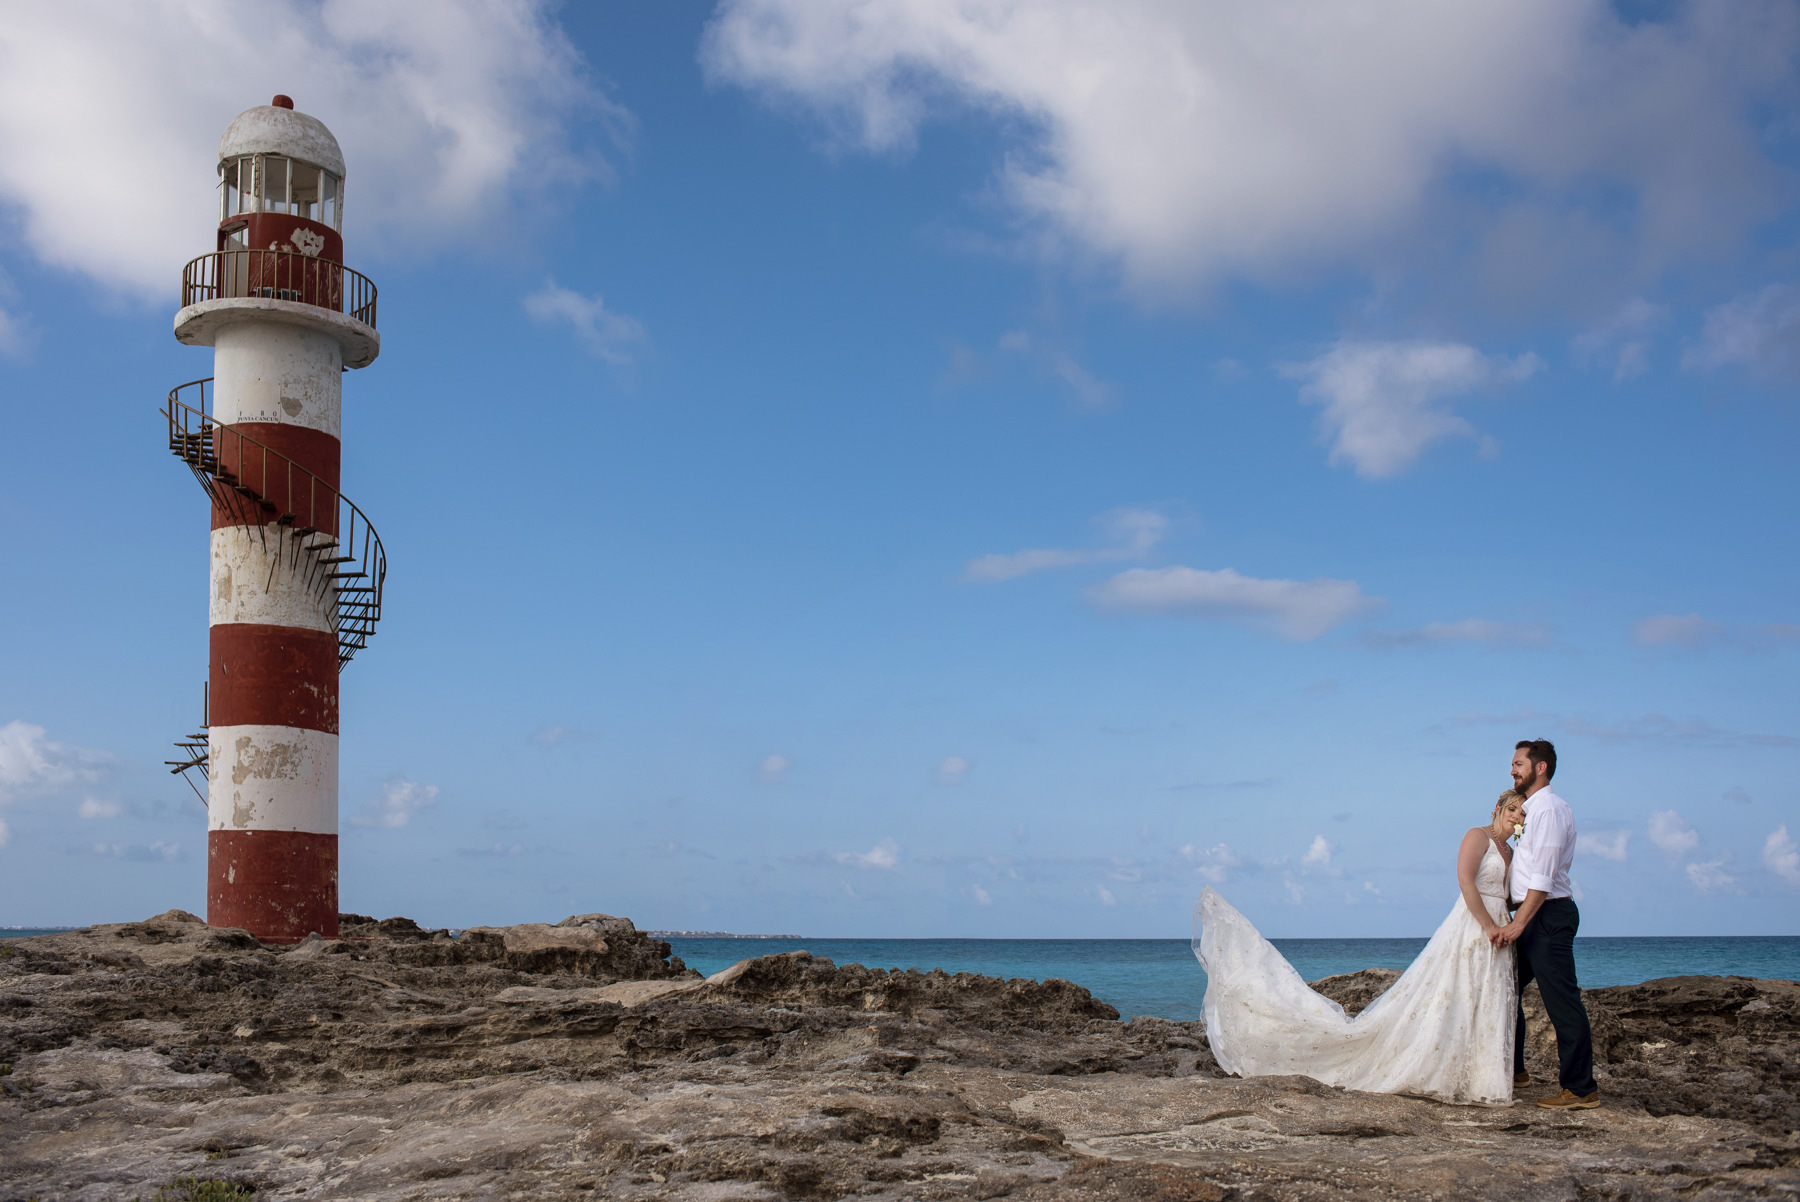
{"x": 1567, "y": 1100}
{"x": 1521, "y": 1080}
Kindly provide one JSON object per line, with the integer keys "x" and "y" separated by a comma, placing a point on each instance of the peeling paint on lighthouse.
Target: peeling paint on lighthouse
{"x": 297, "y": 571}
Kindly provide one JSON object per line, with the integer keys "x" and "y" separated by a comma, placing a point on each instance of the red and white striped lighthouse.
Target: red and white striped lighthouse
{"x": 297, "y": 571}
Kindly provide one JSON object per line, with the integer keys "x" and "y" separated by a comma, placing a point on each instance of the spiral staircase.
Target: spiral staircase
{"x": 317, "y": 531}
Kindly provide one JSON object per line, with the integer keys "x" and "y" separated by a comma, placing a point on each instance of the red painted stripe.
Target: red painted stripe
{"x": 310, "y": 494}
{"x": 273, "y": 676}
{"x": 278, "y": 885}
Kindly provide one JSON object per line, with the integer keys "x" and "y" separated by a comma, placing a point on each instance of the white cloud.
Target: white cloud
{"x": 982, "y": 896}
{"x": 1660, "y": 728}
{"x": 1295, "y": 890}
{"x": 952, "y": 770}
{"x": 1782, "y": 856}
{"x": 1133, "y": 532}
{"x": 773, "y": 769}
{"x": 885, "y": 854}
{"x": 1695, "y": 633}
{"x": 1125, "y": 871}
{"x": 1318, "y": 855}
{"x": 400, "y": 799}
{"x": 1483, "y": 631}
{"x": 1681, "y": 630}
{"x": 95, "y": 808}
{"x": 497, "y": 851}
{"x": 14, "y": 340}
{"x": 1106, "y": 896}
{"x": 611, "y": 336}
{"x": 1090, "y": 391}
{"x": 446, "y": 123}
{"x": 1760, "y": 333}
{"x": 1671, "y": 832}
{"x": 1623, "y": 343}
{"x": 1609, "y": 845}
{"x": 31, "y": 763}
{"x": 1295, "y": 609}
{"x": 1212, "y": 864}
{"x": 15, "y": 332}
{"x": 153, "y": 853}
{"x": 1381, "y": 399}
{"x": 1711, "y": 876}
{"x": 552, "y": 736}
{"x": 1196, "y": 141}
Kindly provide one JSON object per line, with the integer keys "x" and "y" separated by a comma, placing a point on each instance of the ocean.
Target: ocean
{"x": 1161, "y": 977}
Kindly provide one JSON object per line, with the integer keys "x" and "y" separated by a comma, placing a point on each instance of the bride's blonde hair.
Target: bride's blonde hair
{"x": 1509, "y": 795}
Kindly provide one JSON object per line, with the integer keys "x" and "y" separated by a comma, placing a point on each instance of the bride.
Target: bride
{"x": 1443, "y": 1030}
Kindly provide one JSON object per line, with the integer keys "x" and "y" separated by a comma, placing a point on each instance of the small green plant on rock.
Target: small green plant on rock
{"x": 195, "y": 1189}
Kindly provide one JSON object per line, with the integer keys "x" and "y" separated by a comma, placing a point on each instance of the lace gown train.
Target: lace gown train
{"x": 1444, "y": 1030}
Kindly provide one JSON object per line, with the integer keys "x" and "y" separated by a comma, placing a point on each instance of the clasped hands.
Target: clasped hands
{"x": 1506, "y": 935}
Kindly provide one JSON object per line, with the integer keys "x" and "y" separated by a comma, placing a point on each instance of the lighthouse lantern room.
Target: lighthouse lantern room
{"x": 296, "y": 569}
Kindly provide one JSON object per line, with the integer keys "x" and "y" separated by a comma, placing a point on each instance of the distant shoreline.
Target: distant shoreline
{"x": 714, "y": 935}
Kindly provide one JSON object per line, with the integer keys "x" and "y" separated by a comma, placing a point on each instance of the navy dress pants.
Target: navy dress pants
{"x": 1547, "y": 955}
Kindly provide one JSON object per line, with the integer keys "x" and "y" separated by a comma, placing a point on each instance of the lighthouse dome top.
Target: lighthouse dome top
{"x": 277, "y": 129}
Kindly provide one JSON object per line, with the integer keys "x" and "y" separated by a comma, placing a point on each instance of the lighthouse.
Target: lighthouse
{"x": 296, "y": 569}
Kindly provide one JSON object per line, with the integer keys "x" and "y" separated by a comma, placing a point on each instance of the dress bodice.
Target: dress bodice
{"x": 1490, "y": 877}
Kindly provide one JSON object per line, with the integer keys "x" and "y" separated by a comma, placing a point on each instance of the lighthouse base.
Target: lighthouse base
{"x": 281, "y": 886}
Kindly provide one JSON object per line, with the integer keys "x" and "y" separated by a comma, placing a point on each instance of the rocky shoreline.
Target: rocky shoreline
{"x": 581, "y": 1060}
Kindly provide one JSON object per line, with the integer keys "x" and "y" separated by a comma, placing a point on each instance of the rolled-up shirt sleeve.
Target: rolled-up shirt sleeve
{"x": 1535, "y": 870}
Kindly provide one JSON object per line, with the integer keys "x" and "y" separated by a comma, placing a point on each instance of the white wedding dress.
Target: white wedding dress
{"x": 1444, "y": 1030}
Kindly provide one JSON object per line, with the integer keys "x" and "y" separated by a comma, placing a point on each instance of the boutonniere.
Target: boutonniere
{"x": 1518, "y": 830}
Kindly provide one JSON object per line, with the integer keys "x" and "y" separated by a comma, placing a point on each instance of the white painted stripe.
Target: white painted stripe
{"x": 271, "y": 778}
{"x": 259, "y": 577}
{"x": 264, "y": 372}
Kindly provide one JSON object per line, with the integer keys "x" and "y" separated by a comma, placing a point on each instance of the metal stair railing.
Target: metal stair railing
{"x": 322, "y": 531}
{"x": 279, "y": 275}
{"x": 343, "y": 557}
{"x": 195, "y": 749}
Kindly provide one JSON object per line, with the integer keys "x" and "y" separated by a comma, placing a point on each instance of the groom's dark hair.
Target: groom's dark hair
{"x": 1540, "y": 751}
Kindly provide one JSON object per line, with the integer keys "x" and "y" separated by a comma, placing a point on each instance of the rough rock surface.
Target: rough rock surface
{"x": 579, "y": 1060}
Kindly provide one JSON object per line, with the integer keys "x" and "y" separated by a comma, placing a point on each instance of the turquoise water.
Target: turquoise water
{"x": 1162, "y": 978}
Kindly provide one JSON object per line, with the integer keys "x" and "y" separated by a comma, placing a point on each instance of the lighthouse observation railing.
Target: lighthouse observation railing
{"x": 322, "y": 533}
{"x": 279, "y": 275}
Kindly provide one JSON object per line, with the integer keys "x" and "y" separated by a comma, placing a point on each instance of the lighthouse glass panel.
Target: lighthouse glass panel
{"x": 274, "y": 183}
{"x": 304, "y": 190}
{"x": 237, "y": 187}
{"x": 328, "y": 199}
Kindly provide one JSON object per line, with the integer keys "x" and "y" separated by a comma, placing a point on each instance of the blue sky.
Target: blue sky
{"x": 970, "y": 469}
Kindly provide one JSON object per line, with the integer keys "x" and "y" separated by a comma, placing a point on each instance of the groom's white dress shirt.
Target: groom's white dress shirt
{"x": 1545, "y": 851}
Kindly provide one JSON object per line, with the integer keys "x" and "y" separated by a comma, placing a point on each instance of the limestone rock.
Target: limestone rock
{"x": 1355, "y": 990}
{"x": 597, "y": 946}
{"x": 571, "y": 1061}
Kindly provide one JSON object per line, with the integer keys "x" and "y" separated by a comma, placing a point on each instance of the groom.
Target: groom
{"x": 1544, "y": 927}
